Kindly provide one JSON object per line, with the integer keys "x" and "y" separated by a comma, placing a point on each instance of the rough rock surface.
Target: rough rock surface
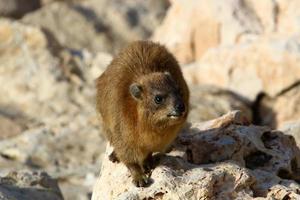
{"x": 283, "y": 108}
{"x": 28, "y": 185}
{"x": 288, "y": 16}
{"x": 246, "y": 46}
{"x": 208, "y": 102}
{"x": 48, "y": 118}
{"x": 108, "y": 25}
{"x": 66, "y": 24}
{"x": 210, "y": 23}
{"x": 50, "y": 58}
{"x": 293, "y": 129}
{"x": 219, "y": 159}
{"x": 227, "y": 22}
{"x": 248, "y": 68}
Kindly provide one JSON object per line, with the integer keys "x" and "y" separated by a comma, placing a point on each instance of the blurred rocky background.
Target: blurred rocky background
{"x": 235, "y": 55}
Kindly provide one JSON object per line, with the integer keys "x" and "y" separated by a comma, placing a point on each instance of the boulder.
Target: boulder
{"x": 70, "y": 155}
{"x": 108, "y": 25}
{"x": 229, "y": 22}
{"x": 28, "y": 185}
{"x": 47, "y": 115}
{"x": 125, "y": 21}
{"x": 219, "y": 159}
{"x": 191, "y": 27}
{"x": 269, "y": 65}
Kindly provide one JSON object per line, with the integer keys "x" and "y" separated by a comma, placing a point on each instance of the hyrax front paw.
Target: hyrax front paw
{"x": 141, "y": 181}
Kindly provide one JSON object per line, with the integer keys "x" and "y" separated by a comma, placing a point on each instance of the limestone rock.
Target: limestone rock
{"x": 229, "y": 22}
{"x": 99, "y": 25}
{"x": 25, "y": 59}
{"x": 33, "y": 78}
{"x": 50, "y": 120}
{"x": 248, "y": 68}
{"x": 191, "y": 27}
{"x": 125, "y": 21}
{"x": 288, "y": 16}
{"x": 208, "y": 102}
{"x": 293, "y": 129}
{"x": 218, "y": 159}
{"x": 67, "y": 154}
{"x": 284, "y": 108}
{"x": 28, "y": 185}
{"x": 267, "y": 12}
{"x": 66, "y": 24}
{"x": 8, "y": 128}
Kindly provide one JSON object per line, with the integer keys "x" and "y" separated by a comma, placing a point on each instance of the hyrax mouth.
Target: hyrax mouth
{"x": 175, "y": 115}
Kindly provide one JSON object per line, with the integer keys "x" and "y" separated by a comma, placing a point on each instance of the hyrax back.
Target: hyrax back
{"x": 143, "y": 101}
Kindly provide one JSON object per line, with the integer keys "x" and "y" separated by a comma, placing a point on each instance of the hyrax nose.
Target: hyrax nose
{"x": 179, "y": 107}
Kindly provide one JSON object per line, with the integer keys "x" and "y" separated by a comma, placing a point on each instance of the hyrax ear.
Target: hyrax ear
{"x": 136, "y": 90}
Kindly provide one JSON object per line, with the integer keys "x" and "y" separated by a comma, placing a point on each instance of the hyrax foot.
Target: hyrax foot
{"x": 113, "y": 157}
{"x": 151, "y": 162}
{"x": 148, "y": 164}
{"x": 141, "y": 181}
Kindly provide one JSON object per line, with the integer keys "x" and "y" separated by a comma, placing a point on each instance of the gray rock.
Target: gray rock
{"x": 209, "y": 102}
{"x": 125, "y": 21}
{"x": 17, "y": 8}
{"x": 69, "y": 27}
{"x": 28, "y": 185}
{"x": 99, "y": 25}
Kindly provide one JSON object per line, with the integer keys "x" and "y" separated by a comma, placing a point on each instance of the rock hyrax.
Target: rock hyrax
{"x": 143, "y": 100}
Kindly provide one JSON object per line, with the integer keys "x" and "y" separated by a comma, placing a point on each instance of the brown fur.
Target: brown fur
{"x": 137, "y": 127}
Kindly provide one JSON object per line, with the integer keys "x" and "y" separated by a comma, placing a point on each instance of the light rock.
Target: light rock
{"x": 293, "y": 129}
{"x": 34, "y": 80}
{"x": 25, "y": 61}
{"x": 269, "y": 65}
{"x": 59, "y": 126}
{"x": 282, "y": 109}
{"x": 67, "y": 154}
{"x": 267, "y": 12}
{"x": 99, "y": 25}
{"x": 28, "y": 185}
{"x": 218, "y": 159}
{"x": 191, "y": 27}
{"x": 124, "y": 21}
{"x": 288, "y": 16}
{"x": 8, "y": 128}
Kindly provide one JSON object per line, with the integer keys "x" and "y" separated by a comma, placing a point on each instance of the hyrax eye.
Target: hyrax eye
{"x": 158, "y": 99}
